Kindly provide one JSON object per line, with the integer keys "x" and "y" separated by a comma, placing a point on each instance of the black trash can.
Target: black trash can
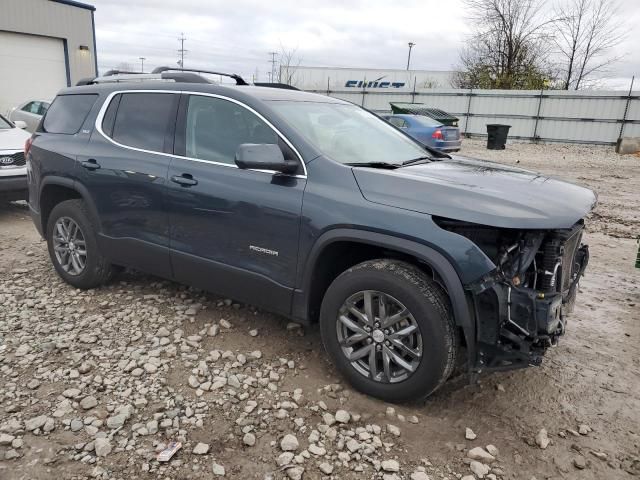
{"x": 497, "y": 136}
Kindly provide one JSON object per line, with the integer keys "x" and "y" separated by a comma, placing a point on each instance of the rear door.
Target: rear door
{"x": 233, "y": 231}
{"x": 125, "y": 172}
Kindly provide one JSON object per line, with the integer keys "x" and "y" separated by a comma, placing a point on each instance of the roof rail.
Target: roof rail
{"x": 284, "y": 86}
{"x": 85, "y": 81}
{"x": 239, "y": 80}
{"x": 109, "y": 73}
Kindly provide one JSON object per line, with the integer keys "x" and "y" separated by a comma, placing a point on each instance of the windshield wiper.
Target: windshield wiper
{"x": 415, "y": 161}
{"x": 375, "y": 164}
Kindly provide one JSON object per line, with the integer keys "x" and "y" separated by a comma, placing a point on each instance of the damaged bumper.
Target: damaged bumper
{"x": 517, "y": 321}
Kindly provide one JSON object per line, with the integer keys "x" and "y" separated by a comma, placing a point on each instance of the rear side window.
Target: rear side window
{"x": 143, "y": 120}
{"x": 397, "y": 121}
{"x": 39, "y": 108}
{"x": 67, "y": 113}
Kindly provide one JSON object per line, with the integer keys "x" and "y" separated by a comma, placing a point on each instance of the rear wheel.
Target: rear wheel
{"x": 388, "y": 328}
{"x": 73, "y": 247}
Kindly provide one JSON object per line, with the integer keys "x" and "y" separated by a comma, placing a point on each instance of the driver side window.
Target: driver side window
{"x": 215, "y": 128}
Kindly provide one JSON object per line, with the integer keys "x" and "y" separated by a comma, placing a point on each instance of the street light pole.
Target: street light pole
{"x": 142, "y": 59}
{"x": 411, "y": 45}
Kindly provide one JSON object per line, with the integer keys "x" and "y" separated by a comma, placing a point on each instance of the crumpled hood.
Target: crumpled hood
{"x": 480, "y": 192}
{"x": 12, "y": 138}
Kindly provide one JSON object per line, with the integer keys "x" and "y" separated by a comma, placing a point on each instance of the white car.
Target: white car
{"x": 13, "y": 166}
{"x": 29, "y": 112}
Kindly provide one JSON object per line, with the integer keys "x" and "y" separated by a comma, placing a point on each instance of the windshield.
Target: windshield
{"x": 4, "y": 123}
{"x": 349, "y": 134}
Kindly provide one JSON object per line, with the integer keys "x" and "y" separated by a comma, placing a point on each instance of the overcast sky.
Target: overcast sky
{"x": 237, "y": 35}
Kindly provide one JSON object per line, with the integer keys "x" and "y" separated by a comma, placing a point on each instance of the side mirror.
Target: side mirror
{"x": 264, "y": 156}
{"x": 20, "y": 124}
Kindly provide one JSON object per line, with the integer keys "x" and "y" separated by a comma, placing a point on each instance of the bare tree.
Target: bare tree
{"x": 585, "y": 33}
{"x": 506, "y": 48}
{"x": 289, "y": 63}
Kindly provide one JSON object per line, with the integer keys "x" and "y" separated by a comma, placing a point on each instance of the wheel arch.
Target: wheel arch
{"x": 54, "y": 190}
{"x": 315, "y": 280}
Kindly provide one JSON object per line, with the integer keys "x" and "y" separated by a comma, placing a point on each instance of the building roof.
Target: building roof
{"x": 73, "y": 3}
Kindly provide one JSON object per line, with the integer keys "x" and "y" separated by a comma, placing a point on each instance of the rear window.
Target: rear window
{"x": 67, "y": 113}
{"x": 142, "y": 120}
{"x": 426, "y": 121}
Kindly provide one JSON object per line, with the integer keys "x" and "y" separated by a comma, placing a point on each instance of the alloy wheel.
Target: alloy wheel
{"x": 379, "y": 336}
{"x": 69, "y": 246}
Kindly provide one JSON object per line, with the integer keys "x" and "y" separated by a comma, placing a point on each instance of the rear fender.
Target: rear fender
{"x": 72, "y": 185}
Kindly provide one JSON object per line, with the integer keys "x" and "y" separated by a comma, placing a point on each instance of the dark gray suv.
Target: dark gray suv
{"x": 316, "y": 209}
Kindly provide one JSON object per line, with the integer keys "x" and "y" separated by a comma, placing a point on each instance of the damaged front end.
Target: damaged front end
{"x": 521, "y": 307}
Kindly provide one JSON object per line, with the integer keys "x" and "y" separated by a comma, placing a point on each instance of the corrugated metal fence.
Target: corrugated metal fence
{"x": 598, "y": 117}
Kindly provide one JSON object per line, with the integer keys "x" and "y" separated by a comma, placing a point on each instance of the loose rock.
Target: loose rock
{"x": 218, "y": 469}
{"x": 342, "y": 416}
{"x": 390, "y": 466}
{"x": 249, "y": 439}
{"x": 201, "y": 449}
{"x": 289, "y": 443}
{"x": 480, "y": 454}
{"x": 102, "y": 447}
{"x": 542, "y": 439}
{"x": 479, "y": 469}
{"x": 88, "y": 403}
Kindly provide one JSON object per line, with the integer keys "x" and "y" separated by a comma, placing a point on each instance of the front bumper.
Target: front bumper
{"x": 516, "y": 325}
{"x": 14, "y": 188}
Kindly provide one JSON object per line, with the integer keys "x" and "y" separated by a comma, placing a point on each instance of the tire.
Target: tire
{"x": 97, "y": 269}
{"x": 401, "y": 285}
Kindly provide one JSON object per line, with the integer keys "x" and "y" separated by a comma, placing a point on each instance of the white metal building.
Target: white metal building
{"x": 323, "y": 79}
{"x": 45, "y": 45}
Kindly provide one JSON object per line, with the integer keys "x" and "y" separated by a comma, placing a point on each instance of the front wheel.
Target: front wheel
{"x": 73, "y": 246}
{"x": 389, "y": 330}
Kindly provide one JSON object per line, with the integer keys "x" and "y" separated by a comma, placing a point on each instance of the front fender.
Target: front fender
{"x": 426, "y": 254}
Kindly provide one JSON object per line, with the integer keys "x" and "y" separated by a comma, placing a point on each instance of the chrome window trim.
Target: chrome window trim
{"x": 107, "y": 102}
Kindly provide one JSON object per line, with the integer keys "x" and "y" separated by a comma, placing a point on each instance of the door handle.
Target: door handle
{"x": 186, "y": 180}
{"x": 90, "y": 164}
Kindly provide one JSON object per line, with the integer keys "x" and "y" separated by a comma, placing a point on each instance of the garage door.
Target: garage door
{"x": 31, "y": 67}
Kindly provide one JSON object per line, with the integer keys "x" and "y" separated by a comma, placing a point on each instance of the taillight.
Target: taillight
{"x": 437, "y": 134}
{"x": 27, "y": 146}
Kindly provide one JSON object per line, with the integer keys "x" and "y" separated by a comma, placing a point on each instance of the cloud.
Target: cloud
{"x": 237, "y": 36}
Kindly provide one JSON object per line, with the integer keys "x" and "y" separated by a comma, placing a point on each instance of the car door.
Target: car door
{"x": 125, "y": 172}
{"x": 233, "y": 231}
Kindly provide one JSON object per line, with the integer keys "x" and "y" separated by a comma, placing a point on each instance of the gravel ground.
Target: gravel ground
{"x": 93, "y": 384}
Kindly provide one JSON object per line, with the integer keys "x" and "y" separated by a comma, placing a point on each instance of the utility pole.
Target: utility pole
{"x": 411, "y": 45}
{"x": 273, "y": 66}
{"x": 142, "y": 59}
{"x": 182, "y": 51}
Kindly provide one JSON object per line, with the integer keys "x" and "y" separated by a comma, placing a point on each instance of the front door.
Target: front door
{"x": 233, "y": 231}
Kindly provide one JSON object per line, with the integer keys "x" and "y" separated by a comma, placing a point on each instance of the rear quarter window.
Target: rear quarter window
{"x": 142, "y": 120}
{"x": 67, "y": 113}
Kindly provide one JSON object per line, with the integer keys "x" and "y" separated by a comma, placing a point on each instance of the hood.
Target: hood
{"x": 13, "y": 138}
{"x": 480, "y": 192}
